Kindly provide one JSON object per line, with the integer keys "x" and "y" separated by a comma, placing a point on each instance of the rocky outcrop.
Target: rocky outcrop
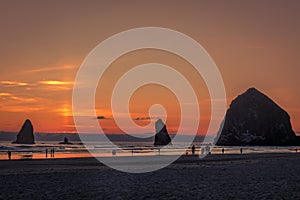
{"x": 161, "y": 137}
{"x": 25, "y": 135}
{"x": 66, "y": 141}
{"x": 254, "y": 119}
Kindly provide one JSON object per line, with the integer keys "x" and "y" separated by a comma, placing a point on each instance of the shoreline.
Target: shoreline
{"x": 18, "y": 153}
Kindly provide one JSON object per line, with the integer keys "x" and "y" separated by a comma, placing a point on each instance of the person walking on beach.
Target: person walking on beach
{"x": 193, "y": 149}
{"x": 241, "y": 150}
{"x": 9, "y": 155}
{"x": 51, "y": 152}
{"x": 223, "y": 150}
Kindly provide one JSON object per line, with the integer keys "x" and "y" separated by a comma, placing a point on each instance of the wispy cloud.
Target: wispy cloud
{"x": 101, "y": 117}
{"x": 4, "y": 94}
{"x": 13, "y": 83}
{"x": 142, "y": 118}
{"x": 18, "y": 108}
{"x": 13, "y": 103}
{"x": 55, "y": 68}
{"x": 53, "y": 82}
{"x": 10, "y": 96}
{"x": 56, "y": 85}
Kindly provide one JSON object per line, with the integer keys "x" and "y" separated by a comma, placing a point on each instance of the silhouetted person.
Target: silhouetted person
{"x": 241, "y": 150}
{"x": 53, "y": 151}
{"x": 46, "y": 153}
{"x": 223, "y": 150}
{"x": 9, "y": 155}
{"x": 193, "y": 149}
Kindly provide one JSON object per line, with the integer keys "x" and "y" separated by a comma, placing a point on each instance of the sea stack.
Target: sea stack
{"x": 161, "y": 137}
{"x": 25, "y": 135}
{"x": 66, "y": 141}
{"x": 254, "y": 119}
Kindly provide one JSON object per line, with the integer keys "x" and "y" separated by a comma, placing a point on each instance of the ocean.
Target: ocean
{"x": 77, "y": 150}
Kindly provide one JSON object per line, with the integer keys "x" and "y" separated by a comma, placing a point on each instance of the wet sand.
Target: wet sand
{"x": 249, "y": 176}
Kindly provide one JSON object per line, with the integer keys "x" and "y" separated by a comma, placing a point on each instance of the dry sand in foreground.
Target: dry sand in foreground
{"x": 252, "y": 176}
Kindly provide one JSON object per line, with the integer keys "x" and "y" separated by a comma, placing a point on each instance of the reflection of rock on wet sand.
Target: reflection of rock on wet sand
{"x": 26, "y": 156}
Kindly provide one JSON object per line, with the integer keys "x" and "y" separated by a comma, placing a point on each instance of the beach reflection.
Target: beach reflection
{"x": 38, "y": 151}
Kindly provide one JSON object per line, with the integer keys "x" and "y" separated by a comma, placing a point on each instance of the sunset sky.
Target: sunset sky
{"x": 43, "y": 43}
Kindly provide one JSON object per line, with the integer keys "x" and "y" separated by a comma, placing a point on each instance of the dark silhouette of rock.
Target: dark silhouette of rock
{"x": 161, "y": 137}
{"x": 66, "y": 141}
{"x": 25, "y": 135}
{"x": 254, "y": 119}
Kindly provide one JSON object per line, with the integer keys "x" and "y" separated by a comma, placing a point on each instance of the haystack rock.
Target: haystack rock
{"x": 25, "y": 135}
{"x": 161, "y": 137}
{"x": 254, "y": 119}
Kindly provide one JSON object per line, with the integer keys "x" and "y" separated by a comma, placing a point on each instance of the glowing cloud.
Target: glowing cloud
{"x": 52, "y": 82}
{"x": 3, "y": 94}
{"x": 13, "y": 83}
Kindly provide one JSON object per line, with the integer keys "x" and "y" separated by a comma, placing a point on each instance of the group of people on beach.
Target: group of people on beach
{"x": 207, "y": 150}
{"x": 203, "y": 150}
{"x": 52, "y": 151}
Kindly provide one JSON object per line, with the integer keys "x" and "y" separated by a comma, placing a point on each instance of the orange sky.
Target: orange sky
{"x": 254, "y": 44}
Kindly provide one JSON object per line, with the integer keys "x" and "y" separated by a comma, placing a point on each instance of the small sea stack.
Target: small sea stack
{"x": 161, "y": 137}
{"x": 66, "y": 141}
{"x": 254, "y": 119}
{"x": 25, "y": 135}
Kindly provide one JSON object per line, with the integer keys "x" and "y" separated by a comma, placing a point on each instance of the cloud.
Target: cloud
{"x": 57, "y": 68}
{"x": 142, "y": 118}
{"x": 52, "y": 82}
{"x": 12, "y": 103}
{"x": 4, "y": 95}
{"x": 57, "y": 85}
{"x": 13, "y": 83}
{"x": 101, "y": 117}
{"x": 18, "y": 108}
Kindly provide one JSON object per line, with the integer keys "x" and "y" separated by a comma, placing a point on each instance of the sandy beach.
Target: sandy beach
{"x": 249, "y": 176}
